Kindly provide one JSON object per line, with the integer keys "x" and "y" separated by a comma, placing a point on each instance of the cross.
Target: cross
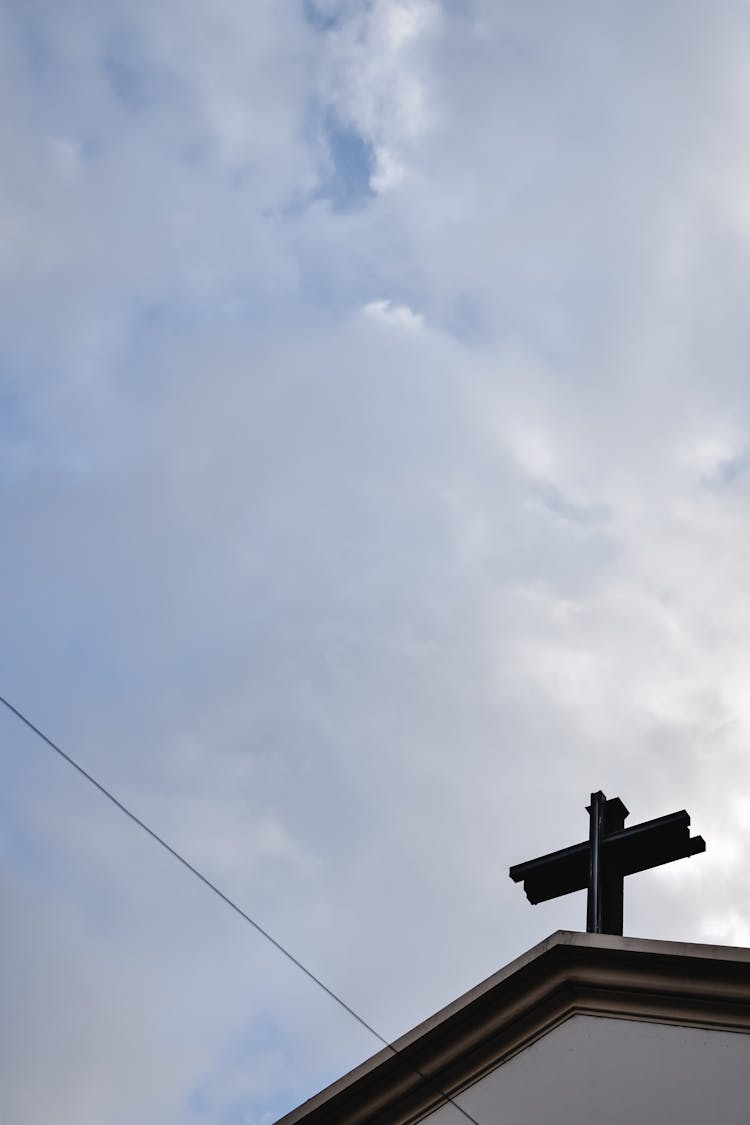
{"x": 601, "y": 863}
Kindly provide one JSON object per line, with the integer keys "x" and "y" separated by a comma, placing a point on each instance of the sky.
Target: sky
{"x": 375, "y": 485}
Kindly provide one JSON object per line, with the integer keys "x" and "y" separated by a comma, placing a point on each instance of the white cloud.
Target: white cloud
{"x": 375, "y": 77}
{"x": 386, "y": 312}
{"x": 389, "y": 172}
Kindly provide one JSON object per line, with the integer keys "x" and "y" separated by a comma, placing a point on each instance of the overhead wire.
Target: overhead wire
{"x": 225, "y": 899}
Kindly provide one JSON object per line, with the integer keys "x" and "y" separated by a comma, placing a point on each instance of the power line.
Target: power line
{"x": 225, "y": 898}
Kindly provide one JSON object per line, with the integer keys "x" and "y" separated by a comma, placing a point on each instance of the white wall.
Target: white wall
{"x": 615, "y": 1072}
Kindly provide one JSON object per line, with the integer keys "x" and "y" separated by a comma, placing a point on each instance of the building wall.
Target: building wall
{"x": 595, "y": 1070}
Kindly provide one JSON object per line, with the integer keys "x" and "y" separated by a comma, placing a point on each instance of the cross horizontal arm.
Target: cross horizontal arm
{"x": 555, "y": 874}
{"x": 639, "y": 848}
{"x": 653, "y": 843}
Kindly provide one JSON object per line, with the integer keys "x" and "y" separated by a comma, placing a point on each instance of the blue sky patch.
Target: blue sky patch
{"x": 134, "y": 81}
{"x": 727, "y": 471}
{"x": 352, "y": 162}
{"x": 320, "y": 15}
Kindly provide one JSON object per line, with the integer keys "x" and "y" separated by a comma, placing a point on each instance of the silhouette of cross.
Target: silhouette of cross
{"x": 602, "y": 862}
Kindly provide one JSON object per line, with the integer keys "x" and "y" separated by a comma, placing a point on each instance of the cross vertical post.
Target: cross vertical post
{"x": 594, "y": 902}
{"x": 605, "y": 874}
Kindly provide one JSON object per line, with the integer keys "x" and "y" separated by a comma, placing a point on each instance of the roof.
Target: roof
{"x": 567, "y": 974}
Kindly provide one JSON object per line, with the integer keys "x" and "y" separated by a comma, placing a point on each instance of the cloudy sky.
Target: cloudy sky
{"x": 375, "y": 483}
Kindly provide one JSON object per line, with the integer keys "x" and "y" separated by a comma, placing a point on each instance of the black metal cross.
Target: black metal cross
{"x": 601, "y": 863}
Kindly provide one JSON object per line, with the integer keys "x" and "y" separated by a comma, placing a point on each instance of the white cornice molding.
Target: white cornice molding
{"x": 567, "y": 974}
